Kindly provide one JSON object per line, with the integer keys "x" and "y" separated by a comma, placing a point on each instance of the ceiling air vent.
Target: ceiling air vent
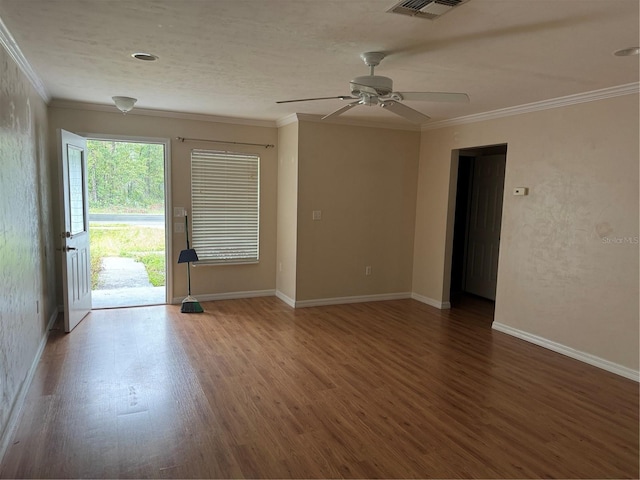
{"x": 430, "y": 9}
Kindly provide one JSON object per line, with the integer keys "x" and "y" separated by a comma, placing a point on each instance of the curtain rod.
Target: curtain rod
{"x": 265, "y": 145}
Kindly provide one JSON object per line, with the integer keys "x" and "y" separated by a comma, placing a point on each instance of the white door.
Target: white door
{"x": 76, "y": 266}
{"x": 485, "y": 218}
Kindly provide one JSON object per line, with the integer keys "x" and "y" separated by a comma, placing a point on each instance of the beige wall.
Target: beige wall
{"x": 27, "y": 279}
{"x": 205, "y": 280}
{"x": 559, "y": 277}
{"x": 287, "y": 211}
{"x": 364, "y": 182}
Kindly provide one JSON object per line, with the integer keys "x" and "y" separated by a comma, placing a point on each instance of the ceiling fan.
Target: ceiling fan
{"x": 373, "y": 89}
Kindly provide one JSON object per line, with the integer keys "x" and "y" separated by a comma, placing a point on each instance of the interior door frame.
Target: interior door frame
{"x": 451, "y": 216}
{"x": 167, "y": 195}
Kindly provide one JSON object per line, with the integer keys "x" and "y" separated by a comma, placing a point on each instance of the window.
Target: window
{"x": 225, "y": 204}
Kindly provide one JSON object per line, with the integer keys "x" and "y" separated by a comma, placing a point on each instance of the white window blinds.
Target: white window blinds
{"x": 225, "y": 204}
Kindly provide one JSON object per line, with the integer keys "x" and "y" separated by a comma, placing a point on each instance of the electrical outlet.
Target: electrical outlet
{"x": 520, "y": 191}
{"x": 317, "y": 214}
{"x": 178, "y": 227}
{"x": 178, "y": 211}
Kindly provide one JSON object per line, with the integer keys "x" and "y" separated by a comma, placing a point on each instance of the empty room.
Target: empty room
{"x": 379, "y": 239}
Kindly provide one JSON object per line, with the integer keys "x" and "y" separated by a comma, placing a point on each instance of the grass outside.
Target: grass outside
{"x": 154, "y": 210}
{"x": 143, "y": 244}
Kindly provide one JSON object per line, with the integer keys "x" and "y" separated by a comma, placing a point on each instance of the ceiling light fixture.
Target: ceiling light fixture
{"x": 145, "y": 57}
{"x": 627, "y": 52}
{"x": 124, "y": 104}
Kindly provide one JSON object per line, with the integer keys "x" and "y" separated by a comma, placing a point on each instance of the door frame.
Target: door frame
{"x": 167, "y": 195}
{"x": 451, "y": 212}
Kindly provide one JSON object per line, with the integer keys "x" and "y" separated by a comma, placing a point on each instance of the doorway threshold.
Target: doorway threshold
{"x": 123, "y": 282}
{"x": 127, "y": 297}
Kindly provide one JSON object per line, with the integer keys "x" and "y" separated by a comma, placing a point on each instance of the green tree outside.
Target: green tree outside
{"x": 125, "y": 177}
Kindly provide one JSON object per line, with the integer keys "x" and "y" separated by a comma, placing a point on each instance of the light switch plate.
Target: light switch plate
{"x": 317, "y": 214}
{"x": 178, "y": 211}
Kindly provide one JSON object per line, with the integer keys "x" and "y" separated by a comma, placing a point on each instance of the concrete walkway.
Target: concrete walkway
{"x": 123, "y": 282}
{"x": 122, "y": 272}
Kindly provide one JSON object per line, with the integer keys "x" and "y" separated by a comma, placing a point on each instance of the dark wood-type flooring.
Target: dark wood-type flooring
{"x": 254, "y": 389}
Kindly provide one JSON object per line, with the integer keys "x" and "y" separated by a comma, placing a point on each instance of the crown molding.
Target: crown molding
{"x": 12, "y": 48}
{"x": 307, "y": 117}
{"x": 99, "y": 107}
{"x": 595, "y": 95}
{"x": 628, "y": 89}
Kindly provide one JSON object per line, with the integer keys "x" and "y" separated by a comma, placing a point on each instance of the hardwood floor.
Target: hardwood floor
{"x": 255, "y": 389}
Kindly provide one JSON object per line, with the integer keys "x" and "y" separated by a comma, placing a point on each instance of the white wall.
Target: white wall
{"x": 559, "y": 278}
{"x": 27, "y": 281}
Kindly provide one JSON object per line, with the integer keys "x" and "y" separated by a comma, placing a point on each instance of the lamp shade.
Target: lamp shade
{"x": 187, "y": 256}
{"x": 124, "y": 104}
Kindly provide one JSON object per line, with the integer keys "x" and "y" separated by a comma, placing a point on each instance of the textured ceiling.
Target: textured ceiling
{"x": 235, "y": 58}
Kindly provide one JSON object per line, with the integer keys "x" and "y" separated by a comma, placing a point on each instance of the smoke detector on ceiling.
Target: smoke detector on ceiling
{"x": 430, "y": 9}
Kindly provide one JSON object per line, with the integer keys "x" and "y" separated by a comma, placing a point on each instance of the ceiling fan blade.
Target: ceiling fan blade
{"x": 435, "y": 97}
{"x": 339, "y": 97}
{"x": 341, "y": 110}
{"x": 404, "y": 111}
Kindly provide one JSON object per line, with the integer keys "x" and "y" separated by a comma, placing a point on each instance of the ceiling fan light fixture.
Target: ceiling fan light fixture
{"x": 627, "y": 52}
{"x": 372, "y": 84}
{"x": 124, "y": 104}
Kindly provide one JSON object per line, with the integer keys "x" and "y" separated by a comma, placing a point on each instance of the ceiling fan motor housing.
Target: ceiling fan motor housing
{"x": 371, "y": 84}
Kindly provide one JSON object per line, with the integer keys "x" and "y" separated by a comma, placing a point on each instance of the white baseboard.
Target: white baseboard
{"x": 14, "y": 416}
{"x": 52, "y": 320}
{"x": 356, "y": 299}
{"x": 320, "y": 301}
{"x": 227, "y": 296}
{"x": 430, "y": 301}
{"x": 286, "y": 299}
{"x": 569, "y": 352}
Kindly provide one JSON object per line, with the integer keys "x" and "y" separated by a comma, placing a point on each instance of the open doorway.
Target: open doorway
{"x": 127, "y": 222}
{"x": 477, "y": 225}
